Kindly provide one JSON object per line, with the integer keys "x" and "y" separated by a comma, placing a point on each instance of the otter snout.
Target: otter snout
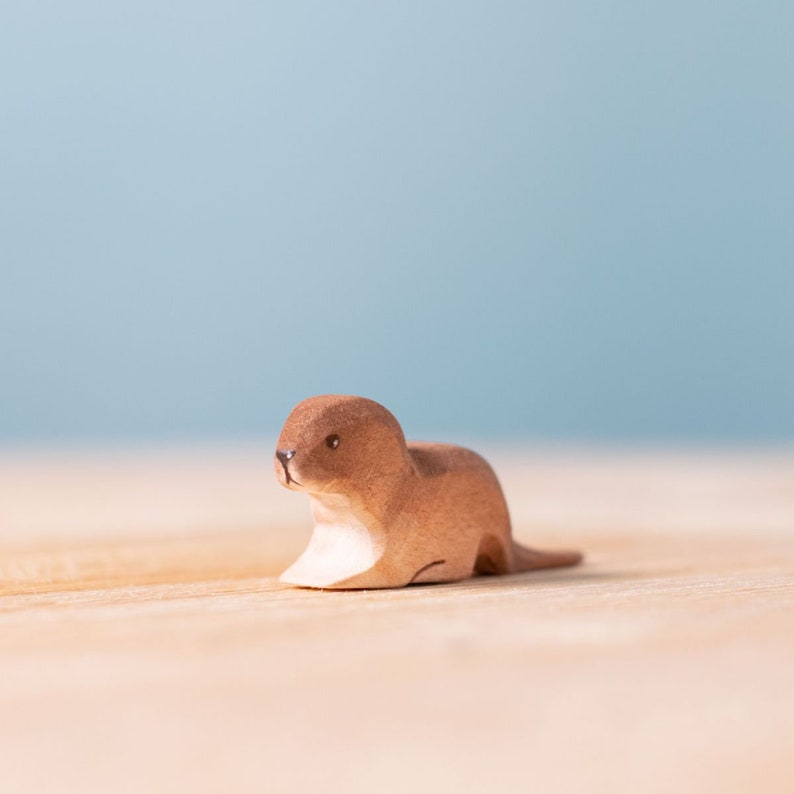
{"x": 285, "y": 455}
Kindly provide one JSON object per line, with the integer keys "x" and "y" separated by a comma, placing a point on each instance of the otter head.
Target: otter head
{"x": 338, "y": 444}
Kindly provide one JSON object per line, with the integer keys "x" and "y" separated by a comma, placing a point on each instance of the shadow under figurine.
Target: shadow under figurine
{"x": 389, "y": 513}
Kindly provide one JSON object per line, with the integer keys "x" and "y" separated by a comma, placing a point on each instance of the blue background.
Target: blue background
{"x": 508, "y": 219}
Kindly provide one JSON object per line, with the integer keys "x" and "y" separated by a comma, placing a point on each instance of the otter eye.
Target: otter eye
{"x": 332, "y": 442}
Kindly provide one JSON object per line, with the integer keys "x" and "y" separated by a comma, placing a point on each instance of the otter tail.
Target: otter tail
{"x": 525, "y": 559}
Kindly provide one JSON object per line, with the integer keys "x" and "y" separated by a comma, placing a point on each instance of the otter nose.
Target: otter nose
{"x": 285, "y": 455}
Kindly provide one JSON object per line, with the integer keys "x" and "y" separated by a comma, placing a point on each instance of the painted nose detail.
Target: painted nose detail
{"x": 285, "y": 455}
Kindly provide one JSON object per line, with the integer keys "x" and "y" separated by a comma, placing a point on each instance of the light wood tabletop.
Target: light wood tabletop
{"x": 146, "y": 646}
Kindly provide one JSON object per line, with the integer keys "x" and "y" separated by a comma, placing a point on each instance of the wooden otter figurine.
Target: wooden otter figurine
{"x": 389, "y": 513}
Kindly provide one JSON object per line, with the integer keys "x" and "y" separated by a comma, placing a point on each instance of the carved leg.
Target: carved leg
{"x": 493, "y": 556}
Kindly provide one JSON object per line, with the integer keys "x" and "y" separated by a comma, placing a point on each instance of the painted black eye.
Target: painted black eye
{"x": 332, "y": 442}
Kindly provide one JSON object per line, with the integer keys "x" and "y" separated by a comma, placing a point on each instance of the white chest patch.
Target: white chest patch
{"x": 341, "y": 546}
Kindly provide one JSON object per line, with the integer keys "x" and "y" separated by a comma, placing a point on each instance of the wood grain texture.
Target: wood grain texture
{"x": 145, "y": 644}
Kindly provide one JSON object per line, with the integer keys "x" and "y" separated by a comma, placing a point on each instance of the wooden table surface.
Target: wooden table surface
{"x": 145, "y": 645}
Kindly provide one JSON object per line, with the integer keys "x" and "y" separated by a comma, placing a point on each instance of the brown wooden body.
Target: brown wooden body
{"x": 389, "y": 513}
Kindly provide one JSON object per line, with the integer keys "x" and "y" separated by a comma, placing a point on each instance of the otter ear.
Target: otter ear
{"x": 332, "y": 441}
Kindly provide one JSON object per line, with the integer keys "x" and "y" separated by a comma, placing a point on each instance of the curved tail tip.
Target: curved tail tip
{"x": 560, "y": 559}
{"x": 531, "y": 559}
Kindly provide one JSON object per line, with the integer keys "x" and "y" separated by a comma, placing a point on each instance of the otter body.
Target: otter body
{"x": 389, "y": 513}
